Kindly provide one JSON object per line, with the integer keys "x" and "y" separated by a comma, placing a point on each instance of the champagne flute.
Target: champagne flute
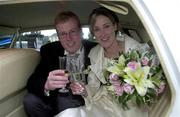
{"x": 62, "y": 65}
{"x": 76, "y": 68}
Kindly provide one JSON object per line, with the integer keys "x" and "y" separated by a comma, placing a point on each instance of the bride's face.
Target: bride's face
{"x": 104, "y": 31}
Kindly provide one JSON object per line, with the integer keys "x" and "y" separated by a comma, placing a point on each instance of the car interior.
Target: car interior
{"x": 21, "y": 26}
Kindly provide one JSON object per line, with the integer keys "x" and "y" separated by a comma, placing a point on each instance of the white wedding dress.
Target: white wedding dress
{"x": 99, "y": 103}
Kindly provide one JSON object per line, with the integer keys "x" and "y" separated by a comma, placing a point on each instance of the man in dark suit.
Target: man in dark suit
{"x": 43, "y": 98}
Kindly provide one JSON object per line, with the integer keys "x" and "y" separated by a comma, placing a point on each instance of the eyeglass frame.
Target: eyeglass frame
{"x": 73, "y": 32}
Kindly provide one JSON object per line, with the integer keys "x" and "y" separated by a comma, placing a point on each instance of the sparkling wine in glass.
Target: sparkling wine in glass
{"x": 62, "y": 65}
{"x": 76, "y": 68}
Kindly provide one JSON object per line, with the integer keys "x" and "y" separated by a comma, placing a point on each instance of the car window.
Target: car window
{"x": 35, "y": 39}
{"x": 5, "y": 41}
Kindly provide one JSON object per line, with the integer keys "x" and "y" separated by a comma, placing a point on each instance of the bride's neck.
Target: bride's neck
{"x": 114, "y": 50}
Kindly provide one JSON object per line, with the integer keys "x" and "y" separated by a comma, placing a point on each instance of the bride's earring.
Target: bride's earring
{"x": 119, "y": 33}
{"x": 120, "y": 36}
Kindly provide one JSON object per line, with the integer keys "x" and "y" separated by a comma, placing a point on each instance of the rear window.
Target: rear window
{"x": 35, "y": 39}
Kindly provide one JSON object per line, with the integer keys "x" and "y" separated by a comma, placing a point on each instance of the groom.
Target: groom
{"x": 43, "y": 98}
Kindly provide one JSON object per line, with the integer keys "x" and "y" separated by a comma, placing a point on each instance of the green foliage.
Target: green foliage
{"x": 140, "y": 70}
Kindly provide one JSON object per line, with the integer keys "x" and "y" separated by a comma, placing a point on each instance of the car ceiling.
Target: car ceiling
{"x": 32, "y": 15}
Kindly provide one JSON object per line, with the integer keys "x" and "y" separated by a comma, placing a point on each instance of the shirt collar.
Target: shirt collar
{"x": 77, "y": 52}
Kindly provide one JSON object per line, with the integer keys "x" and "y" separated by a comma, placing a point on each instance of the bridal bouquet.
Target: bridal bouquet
{"x": 136, "y": 76}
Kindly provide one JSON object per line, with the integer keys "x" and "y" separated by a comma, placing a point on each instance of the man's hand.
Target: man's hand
{"x": 56, "y": 79}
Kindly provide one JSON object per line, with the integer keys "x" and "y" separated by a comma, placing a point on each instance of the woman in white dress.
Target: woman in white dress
{"x": 98, "y": 103}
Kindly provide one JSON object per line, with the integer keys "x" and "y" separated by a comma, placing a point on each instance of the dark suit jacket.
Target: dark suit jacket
{"x": 49, "y": 61}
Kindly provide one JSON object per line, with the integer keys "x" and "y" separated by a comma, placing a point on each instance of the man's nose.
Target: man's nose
{"x": 68, "y": 36}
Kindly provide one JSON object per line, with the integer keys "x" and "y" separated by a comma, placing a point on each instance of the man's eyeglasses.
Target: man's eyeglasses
{"x": 71, "y": 33}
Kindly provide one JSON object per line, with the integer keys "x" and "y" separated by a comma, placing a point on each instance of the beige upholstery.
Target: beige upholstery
{"x": 16, "y": 65}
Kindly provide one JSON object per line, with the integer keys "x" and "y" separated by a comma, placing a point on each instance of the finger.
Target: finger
{"x": 75, "y": 88}
{"x": 58, "y": 78}
{"x": 57, "y": 72}
{"x": 57, "y": 84}
{"x": 76, "y": 85}
{"x": 78, "y": 90}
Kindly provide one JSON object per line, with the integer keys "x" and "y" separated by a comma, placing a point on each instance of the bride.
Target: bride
{"x": 104, "y": 26}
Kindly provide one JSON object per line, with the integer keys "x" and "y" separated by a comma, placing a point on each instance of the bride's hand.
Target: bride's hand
{"x": 78, "y": 88}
